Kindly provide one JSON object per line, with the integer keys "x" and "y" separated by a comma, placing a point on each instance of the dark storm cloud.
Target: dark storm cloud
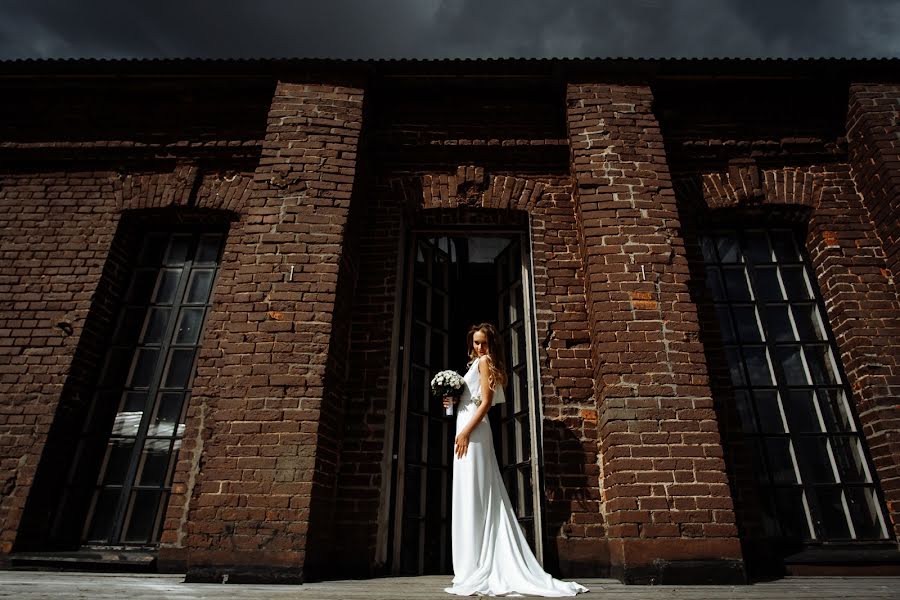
{"x": 459, "y": 28}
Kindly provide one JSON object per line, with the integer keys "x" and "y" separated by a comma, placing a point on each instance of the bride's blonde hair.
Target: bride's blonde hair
{"x": 496, "y": 364}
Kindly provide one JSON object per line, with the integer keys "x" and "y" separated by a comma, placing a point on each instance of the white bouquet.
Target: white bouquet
{"x": 447, "y": 383}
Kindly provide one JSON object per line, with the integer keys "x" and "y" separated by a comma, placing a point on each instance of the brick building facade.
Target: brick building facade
{"x": 225, "y": 284}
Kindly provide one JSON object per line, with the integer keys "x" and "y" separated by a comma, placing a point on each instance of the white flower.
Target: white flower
{"x": 446, "y": 383}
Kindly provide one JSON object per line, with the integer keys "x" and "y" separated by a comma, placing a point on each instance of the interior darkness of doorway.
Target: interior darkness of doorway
{"x": 473, "y": 294}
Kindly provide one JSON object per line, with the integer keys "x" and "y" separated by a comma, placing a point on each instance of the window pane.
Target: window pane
{"x": 778, "y": 323}
{"x": 420, "y": 397}
{"x": 735, "y": 366}
{"x": 736, "y": 284}
{"x": 118, "y": 363}
{"x": 727, "y": 247}
{"x": 767, "y": 408}
{"x": 800, "y": 410}
{"x": 828, "y": 515}
{"x": 864, "y": 511}
{"x": 168, "y": 414}
{"x": 130, "y": 325}
{"x": 794, "y": 283}
{"x": 208, "y": 250}
{"x": 128, "y": 421}
{"x": 438, "y": 357}
{"x": 142, "y": 283}
{"x": 168, "y": 284}
{"x": 438, "y": 309}
{"x": 791, "y": 513}
{"x": 523, "y": 437}
{"x": 849, "y": 458}
{"x": 519, "y": 335}
{"x": 526, "y": 501}
{"x": 415, "y": 438}
{"x": 153, "y": 249}
{"x": 747, "y": 326}
{"x": 189, "y": 323}
{"x": 102, "y": 516}
{"x": 133, "y": 402}
{"x": 815, "y": 464}
{"x": 819, "y": 360}
{"x": 725, "y": 323}
{"x": 766, "y": 286}
{"x": 199, "y": 286}
{"x": 118, "y": 457}
{"x": 438, "y": 443}
{"x": 809, "y": 326}
{"x": 757, "y": 453}
{"x": 708, "y": 247}
{"x": 784, "y": 246}
{"x": 412, "y": 504}
{"x": 144, "y": 507}
{"x": 792, "y": 364}
{"x": 835, "y": 410}
{"x": 758, "y": 366}
{"x": 417, "y": 342}
{"x": 714, "y": 282}
{"x": 781, "y": 465}
{"x": 518, "y": 299}
{"x": 745, "y": 411}
{"x": 178, "y": 250}
{"x": 143, "y": 366}
{"x": 156, "y": 326}
{"x": 519, "y": 389}
{"x": 420, "y": 301}
{"x": 756, "y": 247}
{"x": 179, "y": 370}
{"x": 154, "y": 463}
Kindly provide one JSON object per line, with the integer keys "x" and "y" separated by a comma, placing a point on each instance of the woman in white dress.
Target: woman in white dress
{"x": 490, "y": 553}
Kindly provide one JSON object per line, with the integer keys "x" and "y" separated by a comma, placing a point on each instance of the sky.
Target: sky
{"x": 448, "y": 28}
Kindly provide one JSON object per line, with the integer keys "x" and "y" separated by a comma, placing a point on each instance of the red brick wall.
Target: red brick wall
{"x": 663, "y": 477}
{"x": 265, "y": 420}
{"x": 873, "y": 131}
{"x": 56, "y": 229}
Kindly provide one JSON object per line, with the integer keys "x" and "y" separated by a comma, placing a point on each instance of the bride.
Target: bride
{"x": 490, "y": 553}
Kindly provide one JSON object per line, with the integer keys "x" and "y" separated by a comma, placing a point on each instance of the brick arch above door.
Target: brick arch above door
{"x": 469, "y": 186}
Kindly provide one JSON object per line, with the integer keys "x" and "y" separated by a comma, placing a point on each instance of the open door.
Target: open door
{"x": 518, "y": 424}
{"x": 454, "y": 282}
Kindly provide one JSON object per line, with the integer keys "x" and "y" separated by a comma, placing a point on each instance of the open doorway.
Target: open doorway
{"x": 453, "y": 282}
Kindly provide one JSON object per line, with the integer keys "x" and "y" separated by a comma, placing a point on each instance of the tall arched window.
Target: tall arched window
{"x": 125, "y": 456}
{"x": 790, "y": 392}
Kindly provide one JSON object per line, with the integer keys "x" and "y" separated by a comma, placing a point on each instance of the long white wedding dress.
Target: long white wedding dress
{"x": 490, "y": 553}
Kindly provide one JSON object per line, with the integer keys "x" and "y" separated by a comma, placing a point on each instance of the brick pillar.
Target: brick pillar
{"x": 260, "y": 454}
{"x": 668, "y": 506}
{"x": 865, "y": 310}
{"x": 873, "y": 131}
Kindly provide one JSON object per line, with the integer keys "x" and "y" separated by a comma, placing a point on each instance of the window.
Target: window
{"x": 137, "y": 414}
{"x": 790, "y": 393}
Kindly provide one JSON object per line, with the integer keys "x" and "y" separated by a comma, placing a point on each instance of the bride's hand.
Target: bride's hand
{"x": 449, "y": 401}
{"x": 462, "y": 444}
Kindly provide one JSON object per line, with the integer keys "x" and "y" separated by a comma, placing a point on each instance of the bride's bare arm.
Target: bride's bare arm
{"x": 487, "y": 396}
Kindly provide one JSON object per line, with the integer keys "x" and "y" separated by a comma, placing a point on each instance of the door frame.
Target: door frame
{"x": 391, "y": 506}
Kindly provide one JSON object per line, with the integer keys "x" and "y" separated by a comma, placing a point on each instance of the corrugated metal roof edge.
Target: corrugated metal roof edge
{"x": 884, "y": 68}
{"x": 736, "y": 59}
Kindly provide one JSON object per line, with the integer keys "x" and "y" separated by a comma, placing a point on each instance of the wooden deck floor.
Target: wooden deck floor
{"x": 32, "y": 585}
